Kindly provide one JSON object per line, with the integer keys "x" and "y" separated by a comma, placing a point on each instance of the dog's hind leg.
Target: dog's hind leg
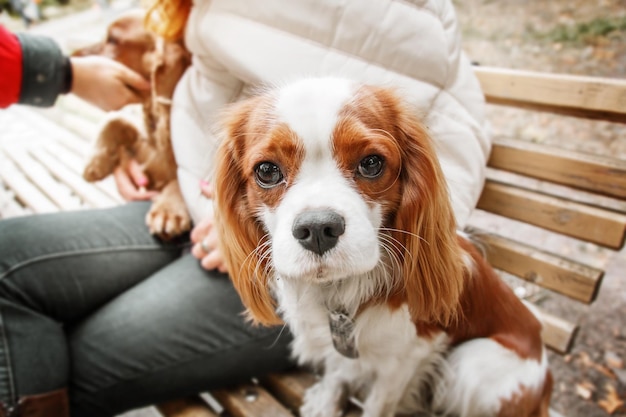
{"x": 118, "y": 135}
{"x": 484, "y": 378}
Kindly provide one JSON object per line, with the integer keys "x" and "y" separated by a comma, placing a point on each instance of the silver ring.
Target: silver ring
{"x": 205, "y": 247}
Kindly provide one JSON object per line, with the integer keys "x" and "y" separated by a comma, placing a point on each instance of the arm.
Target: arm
{"x": 38, "y": 72}
{"x": 106, "y": 83}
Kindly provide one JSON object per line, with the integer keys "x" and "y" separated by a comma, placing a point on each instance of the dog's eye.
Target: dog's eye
{"x": 371, "y": 166}
{"x": 268, "y": 174}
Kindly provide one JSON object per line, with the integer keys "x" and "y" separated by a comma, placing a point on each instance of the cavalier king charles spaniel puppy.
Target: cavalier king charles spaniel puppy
{"x": 122, "y": 138}
{"x": 334, "y": 216}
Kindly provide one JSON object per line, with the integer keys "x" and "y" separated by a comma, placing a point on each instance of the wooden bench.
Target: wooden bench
{"x": 533, "y": 192}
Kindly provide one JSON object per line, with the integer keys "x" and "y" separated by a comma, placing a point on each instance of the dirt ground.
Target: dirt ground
{"x": 584, "y": 37}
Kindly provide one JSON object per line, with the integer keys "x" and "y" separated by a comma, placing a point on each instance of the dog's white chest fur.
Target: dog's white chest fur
{"x": 389, "y": 349}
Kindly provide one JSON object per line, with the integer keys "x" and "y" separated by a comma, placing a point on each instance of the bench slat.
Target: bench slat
{"x": 78, "y": 125}
{"x": 585, "y": 171}
{"x": 58, "y": 194}
{"x": 8, "y": 206}
{"x": 86, "y": 191}
{"x": 74, "y": 144}
{"x": 77, "y": 163}
{"x": 566, "y": 192}
{"x": 250, "y": 400}
{"x": 590, "y": 97}
{"x": 24, "y": 190}
{"x": 185, "y": 407}
{"x": 71, "y": 160}
{"x": 558, "y": 334}
{"x": 289, "y": 387}
{"x": 573, "y": 219}
{"x": 573, "y": 279}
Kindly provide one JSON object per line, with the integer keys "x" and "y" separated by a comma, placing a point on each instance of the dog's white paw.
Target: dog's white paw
{"x": 167, "y": 220}
{"x": 321, "y": 400}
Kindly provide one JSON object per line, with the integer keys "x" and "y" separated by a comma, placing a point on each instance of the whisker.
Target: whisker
{"x": 395, "y": 243}
{"x": 389, "y": 229}
{"x": 261, "y": 253}
{"x": 282, "y": 329}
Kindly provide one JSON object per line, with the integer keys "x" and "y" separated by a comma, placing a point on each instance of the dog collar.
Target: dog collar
{"x": 342, "y": 333}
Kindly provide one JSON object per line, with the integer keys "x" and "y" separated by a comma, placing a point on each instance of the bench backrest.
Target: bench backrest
{"x": 571, "y": 193}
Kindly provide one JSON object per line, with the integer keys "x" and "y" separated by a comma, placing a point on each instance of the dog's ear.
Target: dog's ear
{"x": 169, "y": 65}
{"x": 241, "y": 235}
{"x": 433, "y": 265}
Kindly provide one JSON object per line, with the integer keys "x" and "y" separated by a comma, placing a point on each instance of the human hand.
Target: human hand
{"x": 205, "y": 239}
{"x": 106, "y": 83}
{"x": 132, "y": 182}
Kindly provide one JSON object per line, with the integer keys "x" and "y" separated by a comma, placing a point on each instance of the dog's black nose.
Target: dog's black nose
{"x": 318, "y": 231}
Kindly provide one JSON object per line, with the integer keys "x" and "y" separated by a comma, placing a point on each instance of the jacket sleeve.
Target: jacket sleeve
{"x": 35, "y": 71}
{"x": 46, "y": 72}
{"x": 11, "y": 64}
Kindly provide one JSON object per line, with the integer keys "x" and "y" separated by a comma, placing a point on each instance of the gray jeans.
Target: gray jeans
{"x": 89, "y": 300}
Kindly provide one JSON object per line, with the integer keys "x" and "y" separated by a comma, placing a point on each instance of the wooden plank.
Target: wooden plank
{"x": 9, "y": 207}
{"x": 249, "y": 400}
{"x": 588, "y": 172}
{"x": 580, "y": 96}
{"x": 24, "y": 190}
{"x": 289, "y": 387}
{"x": 580, "y": 221}
{"x": 91, "y": 195}
{"x": 76, "y": 164}
{"x": 142, "y": 412}
{"x": 558, "y": 334}
{"x": 58, "y": 194}
{"x": 185, "y": 407}
{"x": 578, "y": 195}
{"x": 567, "y": 277}
{"x": 68, "y": 158}
{"x": 71, "y": 103}
{"x": 79, "y": 147}
{"x": 79, "y": 126}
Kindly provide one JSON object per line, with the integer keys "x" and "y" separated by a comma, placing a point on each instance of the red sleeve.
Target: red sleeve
{"x": 11, "y": 64}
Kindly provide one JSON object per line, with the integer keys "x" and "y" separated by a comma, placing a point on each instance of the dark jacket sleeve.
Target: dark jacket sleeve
{"x": 46, "y": 72}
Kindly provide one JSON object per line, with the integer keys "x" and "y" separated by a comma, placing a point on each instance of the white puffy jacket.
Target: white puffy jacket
{"x": 413, "y": 45}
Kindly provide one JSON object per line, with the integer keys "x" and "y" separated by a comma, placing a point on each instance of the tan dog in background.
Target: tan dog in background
{"x": 121, "y": 139}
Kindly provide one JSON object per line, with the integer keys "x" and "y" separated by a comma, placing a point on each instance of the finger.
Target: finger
{"x": 124, "y": 184}
{"x": 210, "y": 241}
{"x": 127, "y": 189}
{"x": 206, "y": 188}
{"x": 134, "y": 80}
{"x": 213, "y": 260}
{"x": 137, "y": 174}
{"x": 130, "y": 97}
{"x": 197, "y": 251}
{"x": 201, "y": 230}
{"x": 223, "y": 268}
